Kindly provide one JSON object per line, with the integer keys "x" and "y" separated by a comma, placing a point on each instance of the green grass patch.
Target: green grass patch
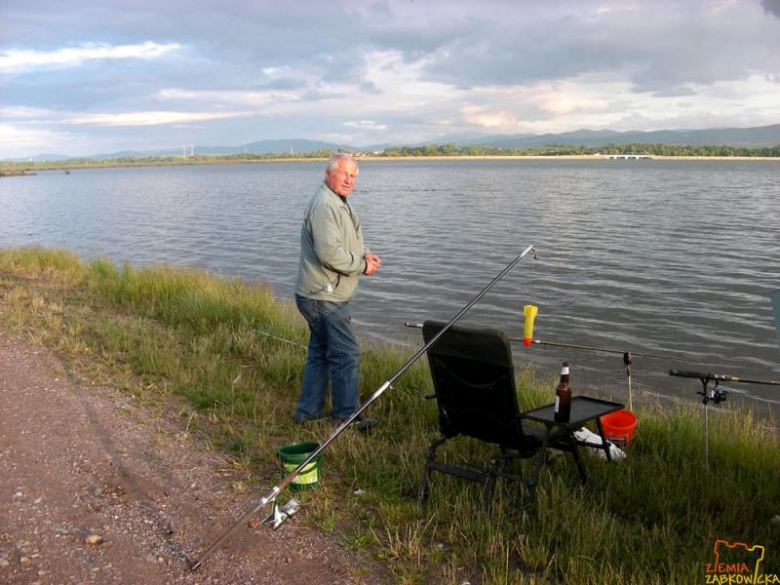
{"x": 212, "y": 344}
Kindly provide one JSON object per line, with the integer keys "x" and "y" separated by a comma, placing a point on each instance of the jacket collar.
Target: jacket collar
{"x": 336, "y": 195}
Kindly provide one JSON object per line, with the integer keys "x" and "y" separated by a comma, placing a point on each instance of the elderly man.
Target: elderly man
{"x": 333, "y": 255}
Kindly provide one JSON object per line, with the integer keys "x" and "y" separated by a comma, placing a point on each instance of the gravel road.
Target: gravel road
{"x": 95, "y": 488}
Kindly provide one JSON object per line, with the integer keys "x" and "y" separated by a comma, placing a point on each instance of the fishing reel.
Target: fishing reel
{"x": 279, "y": 516}
{"x": 715, "y": 395}
{"x": 708, "y": 395}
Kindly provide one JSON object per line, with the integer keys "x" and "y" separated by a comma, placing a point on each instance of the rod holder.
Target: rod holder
{"x": 708, "y": 395}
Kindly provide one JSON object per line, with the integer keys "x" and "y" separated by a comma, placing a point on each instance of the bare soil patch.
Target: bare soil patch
{"x": 95, "y": 488}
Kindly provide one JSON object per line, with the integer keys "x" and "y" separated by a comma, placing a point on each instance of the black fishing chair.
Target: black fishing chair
{"x": 474, "y": 384}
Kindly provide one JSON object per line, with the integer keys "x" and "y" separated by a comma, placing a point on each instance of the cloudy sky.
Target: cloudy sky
{"x": 83, "y": 77}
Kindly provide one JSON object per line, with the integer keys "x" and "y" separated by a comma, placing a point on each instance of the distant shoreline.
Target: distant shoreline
{"x": 569, "y": 157}
{"x": 18, "y": 169}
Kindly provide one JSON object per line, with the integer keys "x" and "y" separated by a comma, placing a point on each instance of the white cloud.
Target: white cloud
{"x": 16, "y": 139}
{"x": 23, "y": 113}
{"x": 366, "y": 125}
{"x": 217, "y": 96}
{"x": 401, "y": 82}
{"x": 336, "y": 137}
{"x": 15, "y": 60}
{"x": 38, "y": 116}
{"x": 483, "y": 116}
{"x": 410, "y": 72}
{"x": 561, "y": 105}
{"x": 283, "y": 72}
{"x": 148, "y": 118}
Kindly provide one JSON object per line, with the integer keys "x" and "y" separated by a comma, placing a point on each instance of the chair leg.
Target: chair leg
{"x": 496, "y": 468}
{"x": 532, "y": 491}
{"x": 541, "y": 458}
{"x": 422, "y": 495}
{"x": 487, "y": 492}
{"x": 430, "y": 456}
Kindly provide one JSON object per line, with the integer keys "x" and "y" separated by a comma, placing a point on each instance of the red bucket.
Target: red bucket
{"x": 619, "y": 426}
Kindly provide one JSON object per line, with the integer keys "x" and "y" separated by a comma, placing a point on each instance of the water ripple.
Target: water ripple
{"x": 657, "y": 257}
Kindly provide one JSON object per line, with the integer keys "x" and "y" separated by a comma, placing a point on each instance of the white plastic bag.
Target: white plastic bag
{"x": 585, "y": 435}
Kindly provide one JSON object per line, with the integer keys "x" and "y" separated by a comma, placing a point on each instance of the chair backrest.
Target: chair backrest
{"x": 474, "y": 380}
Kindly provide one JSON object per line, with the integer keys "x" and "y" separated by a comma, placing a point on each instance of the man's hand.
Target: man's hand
{"x": 372, "y": 263}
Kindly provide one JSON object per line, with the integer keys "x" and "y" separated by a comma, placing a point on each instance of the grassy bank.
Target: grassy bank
{"x": 202, "y": 343}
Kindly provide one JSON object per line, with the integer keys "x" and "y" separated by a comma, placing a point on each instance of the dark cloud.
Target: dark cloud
{"x": 771, "y": 7}
{"x": 322, "y": 52}
{"x": 513, "y": 43}
{"x": 679, "y": 91}
{"x": 369, "y": 87}
{"x": 659, "y": 50}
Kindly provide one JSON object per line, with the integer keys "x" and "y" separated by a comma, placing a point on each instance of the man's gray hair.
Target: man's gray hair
{"x": 333, "y": 162}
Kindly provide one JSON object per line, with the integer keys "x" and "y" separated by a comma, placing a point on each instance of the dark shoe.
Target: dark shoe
{"x": 363, "y": 424}
{"x": 310, "y": 420}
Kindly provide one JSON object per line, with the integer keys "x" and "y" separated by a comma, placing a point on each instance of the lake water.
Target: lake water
{"x": 647, "y": 256}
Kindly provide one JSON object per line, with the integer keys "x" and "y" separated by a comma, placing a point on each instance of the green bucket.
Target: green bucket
{"x": 292, "y": 456}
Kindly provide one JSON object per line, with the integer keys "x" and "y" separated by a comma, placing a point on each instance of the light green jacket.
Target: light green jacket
{"x": 332, "y": 249}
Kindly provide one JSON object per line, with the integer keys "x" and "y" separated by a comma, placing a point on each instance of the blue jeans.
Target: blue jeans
{"x": 334, "y": 355}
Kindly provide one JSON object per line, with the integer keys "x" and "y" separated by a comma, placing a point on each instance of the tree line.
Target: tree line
{"x": 449, "y": 149}
{"x": 572, "y": 150}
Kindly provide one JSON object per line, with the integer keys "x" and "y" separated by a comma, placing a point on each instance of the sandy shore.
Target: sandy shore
{"x": 19, "y": 169}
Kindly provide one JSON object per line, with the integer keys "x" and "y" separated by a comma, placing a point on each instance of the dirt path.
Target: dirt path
{"x": 79, "y": 464}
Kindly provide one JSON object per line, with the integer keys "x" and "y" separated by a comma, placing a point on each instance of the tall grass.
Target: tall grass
{"x": 212, "y": 343}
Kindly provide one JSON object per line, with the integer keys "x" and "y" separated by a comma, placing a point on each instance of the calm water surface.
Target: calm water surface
{"x": 647, "y": 256}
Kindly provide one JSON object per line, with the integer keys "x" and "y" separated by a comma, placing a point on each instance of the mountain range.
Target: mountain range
{"x": 747, "y": 137}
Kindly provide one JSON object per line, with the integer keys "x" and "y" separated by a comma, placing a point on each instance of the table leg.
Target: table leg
{"x": 605, "y": 446}
{"x": 575, "y": 453}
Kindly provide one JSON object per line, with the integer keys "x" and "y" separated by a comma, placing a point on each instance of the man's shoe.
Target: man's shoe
{"x": 363, "y": 424}
{"x": 310, "y": 420}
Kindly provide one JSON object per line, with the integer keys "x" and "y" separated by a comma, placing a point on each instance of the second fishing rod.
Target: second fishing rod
{"x": 272, "y": 494}
{"x": 531, "y": 311}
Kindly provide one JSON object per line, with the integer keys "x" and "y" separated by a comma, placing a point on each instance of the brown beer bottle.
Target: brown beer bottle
{"x": 563, "y": 396}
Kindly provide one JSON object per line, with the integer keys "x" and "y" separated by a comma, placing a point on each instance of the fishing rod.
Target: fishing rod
{"x": 277, "y": 517}
{"x": 605, "y": 350}
{"x": 571, "y": 345}
{"x": 530, "y": 312}
{"x": 720, "y": 378}
{"x": 628, "y": 358}
{"x": 715, "y": 395}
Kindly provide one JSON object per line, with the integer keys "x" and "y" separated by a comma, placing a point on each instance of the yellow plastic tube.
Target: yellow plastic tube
{"x": 530, "y": 312}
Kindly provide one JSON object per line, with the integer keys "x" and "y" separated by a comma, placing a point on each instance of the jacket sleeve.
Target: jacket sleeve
{"x": 328, "y": 245}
